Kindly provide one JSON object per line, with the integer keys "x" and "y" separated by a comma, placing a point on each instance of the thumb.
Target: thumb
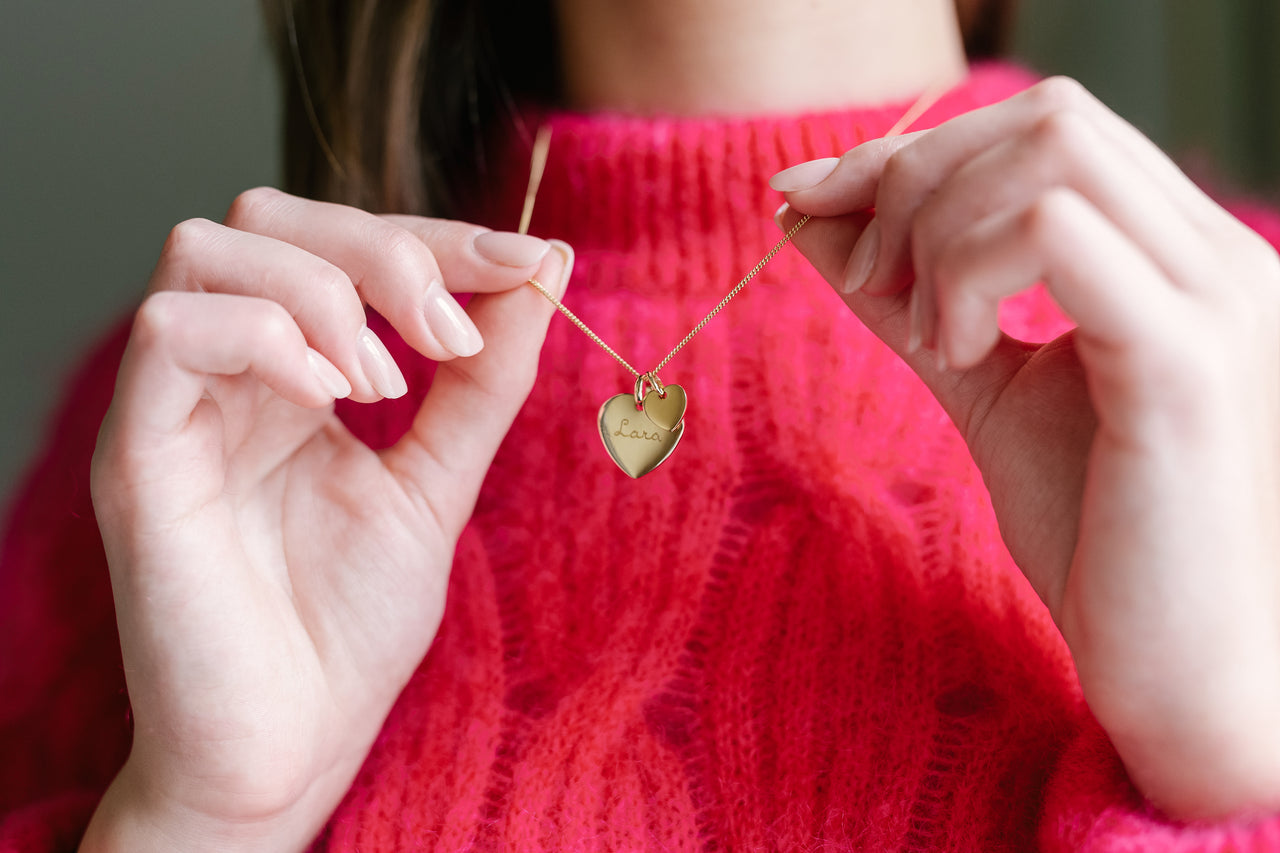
{"x": 473, "y": 401}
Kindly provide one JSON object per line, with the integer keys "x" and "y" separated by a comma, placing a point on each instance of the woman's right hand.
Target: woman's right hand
{"x": 277, "y": 582}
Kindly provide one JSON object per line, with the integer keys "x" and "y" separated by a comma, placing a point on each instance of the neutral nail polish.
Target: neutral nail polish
{"x": 379, "y": 368}
{"x": 450, "y": 324}
{"x": 863, "y": 258}
{"x": 566, "y": 251}
{"x": 331, "y": 379}
{"x": 509, "y": 249}
{"x": 804, "y": 176}
{"x": 779, "y": 213}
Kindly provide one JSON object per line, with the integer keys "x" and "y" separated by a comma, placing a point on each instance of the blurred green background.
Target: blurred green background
{"x": 118, "y": 120}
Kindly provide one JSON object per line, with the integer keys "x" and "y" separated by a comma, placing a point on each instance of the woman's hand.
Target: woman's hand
{"x": 1134, "y": 463}
{"x": 277, "y": 582}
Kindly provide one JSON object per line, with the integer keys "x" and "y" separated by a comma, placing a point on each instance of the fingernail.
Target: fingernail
{"x": 913, "y": 323}
{"x": 779, "y": 213}
{"x": 803, "y": 176}
{"x": 566, "y": 251}
{"x": 450, "y": 324}
{"x": 942, "y": 360}
{"x": 331, "y": 379}
{"x": 509, "y": 249}
{"x": 378, "y": 365}
{"x": 862, "y": 259}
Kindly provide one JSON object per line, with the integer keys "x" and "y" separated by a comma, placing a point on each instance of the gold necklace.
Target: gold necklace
{"x": 641, "y": 429}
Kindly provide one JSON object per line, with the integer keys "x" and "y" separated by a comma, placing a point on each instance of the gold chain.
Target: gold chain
{"x": 538, "y": 163}
{"x": 737, "y": 288}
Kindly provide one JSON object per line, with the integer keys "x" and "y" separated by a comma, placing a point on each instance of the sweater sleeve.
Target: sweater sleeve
{"x": 64, "y": 714}
{"x": 1090, "y": 804}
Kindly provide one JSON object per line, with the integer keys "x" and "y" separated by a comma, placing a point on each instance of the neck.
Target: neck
{"x": 754, "y": 56}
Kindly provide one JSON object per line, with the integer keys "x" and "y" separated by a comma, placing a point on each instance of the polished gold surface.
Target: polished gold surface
{"x": 634, "y": 442}
{"x": 666, "y": 408}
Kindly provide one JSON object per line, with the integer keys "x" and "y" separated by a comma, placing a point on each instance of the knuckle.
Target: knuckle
{"x": 276, "y": 327}
{"x": 401, "y": 254}
{"x": 1059, "y": 94}
{"x": 253, "y": 206}
{"x": 156, "y": 319}
{"x": 900, "y": 172}
{"x": 331, "y": 300}
{"x": 331, "y": 283}
{"x": 186, "y": 241}
{"x": 1063, "y": 135}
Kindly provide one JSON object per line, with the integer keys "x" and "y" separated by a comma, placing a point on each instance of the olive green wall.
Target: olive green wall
{"x": 118, "y": 119}
{"x": 1200, "y": 77}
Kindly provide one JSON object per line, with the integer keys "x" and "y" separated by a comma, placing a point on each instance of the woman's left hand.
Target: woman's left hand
{"x": 1134, "y": 463}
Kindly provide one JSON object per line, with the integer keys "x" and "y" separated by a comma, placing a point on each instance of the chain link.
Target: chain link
{"x": 537, "y": 285}
{"x": 737, "y": 288}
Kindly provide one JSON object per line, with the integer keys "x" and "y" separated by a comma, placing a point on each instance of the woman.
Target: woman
{"x": 805, "y": 629}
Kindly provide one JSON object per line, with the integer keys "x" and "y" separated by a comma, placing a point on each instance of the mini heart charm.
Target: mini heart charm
{"x": 666, "y": 407}
{"x": 632, "y": 440}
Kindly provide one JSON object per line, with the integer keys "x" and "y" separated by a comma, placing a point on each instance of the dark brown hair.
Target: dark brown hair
{"x": 390, "y": 105}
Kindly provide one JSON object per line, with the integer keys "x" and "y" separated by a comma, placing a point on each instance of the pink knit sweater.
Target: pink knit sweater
{"x": 801, "y": 632}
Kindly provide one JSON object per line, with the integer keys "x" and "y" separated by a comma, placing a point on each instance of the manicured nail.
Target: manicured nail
{"x": 331, "y": 379}
{"x": 450, "y": 324}
{"x": 913, "y": 323}
{"x": 509, "y": 249}
{"x": 566, "y": 251}
{"x": 378, "y": 365}
{"x": 779, "y": 213}
{"x": 803, "y": 176}
{"x": 942, "y": 360}
{"x": 863, "y": 259}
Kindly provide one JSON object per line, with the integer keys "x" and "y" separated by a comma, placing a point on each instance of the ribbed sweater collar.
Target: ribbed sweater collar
{"x": 640, "y": 198}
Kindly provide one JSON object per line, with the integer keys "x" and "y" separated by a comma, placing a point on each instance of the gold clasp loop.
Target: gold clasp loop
{"x": 652, "y": 381}
{"x": 641, "y": 381}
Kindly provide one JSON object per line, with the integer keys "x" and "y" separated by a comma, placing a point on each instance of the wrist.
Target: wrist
{"x": 1211, "y": 775}
{"x": 1210, "y": 755}
{"x": 131, "y": 817}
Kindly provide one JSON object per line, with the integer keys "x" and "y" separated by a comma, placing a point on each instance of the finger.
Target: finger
{"x": 473, "y": 258}
{"x": 826, "y": 242}
{"x": 180, "y": 340}
{"x": 852, "y": 184}
{"x": 1095, "y": 272}
{"x": 1062, "y": 149}
{"x": 472, "y": 402}
{"x": 204, "y": 257}
{"x": 898, "y": 177}
{"x": 406, "y": 275}
{"x": 833, "y": 186}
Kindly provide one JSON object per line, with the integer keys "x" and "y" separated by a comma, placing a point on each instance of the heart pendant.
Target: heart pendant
{"x": 631, "y": 439}
{"x": 666, "y": 407}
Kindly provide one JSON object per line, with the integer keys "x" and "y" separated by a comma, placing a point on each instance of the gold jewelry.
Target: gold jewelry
{"x": 640, "y": 430}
